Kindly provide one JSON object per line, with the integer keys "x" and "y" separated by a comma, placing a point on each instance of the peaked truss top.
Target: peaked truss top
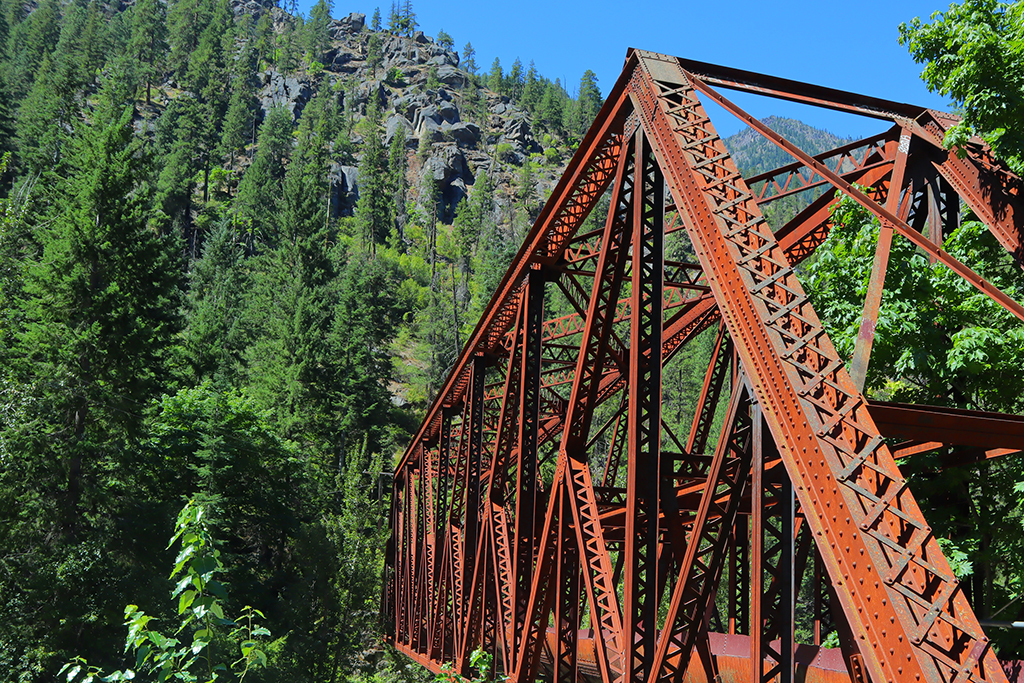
{"x": 487, "y": 551}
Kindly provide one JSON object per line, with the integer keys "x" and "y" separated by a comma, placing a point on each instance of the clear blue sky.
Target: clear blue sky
{"x": 846, "y": 45}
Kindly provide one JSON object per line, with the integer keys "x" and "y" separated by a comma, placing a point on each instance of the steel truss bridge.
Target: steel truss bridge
{"x": 546, "y": 511}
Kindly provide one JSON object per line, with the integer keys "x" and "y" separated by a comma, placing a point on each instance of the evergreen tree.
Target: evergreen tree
{"x": 469, "y": 58}
{"x": 444, "y": 40}
{"x": 255, "y": 206}
{"x": 374, "y": 53}
{"x": 533, "y": 90}
{"x": 407, "y": 18}
{"x": 181, "y": 130}
{"x": 240, "y": 120}
{"x": 217, "y": 334}
{"x": 293, "y": 298}
{"x": 318, "y": 34}
{"x": 148, "y": 43}
{"x": 514, "y": 81}
{"x": 399, "y": 166}
{"x": 551, "y": 109}
{"x": 41, "y": 121}
{"x": 186, "y": 21}
{"x": 588, "y": 104}
{"x": 98, "y": 319}
{"x": 373, "y": 210}
{"x": 79, "y": 52}
{"x": 264, "y": 40}
{"x": 496, "y": 78}
{"x": 29, "y": 40}
{"x": 288, "y": 51}
{"x": 7, "y": 129}
{"x": 93, "y": 47}
{"x": 304, "y": 209}
{"x": 375, "y": 21}
{"x": 394, "y": 19}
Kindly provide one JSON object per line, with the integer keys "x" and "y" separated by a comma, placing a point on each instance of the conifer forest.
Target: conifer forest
{"x": 240, "y": 250}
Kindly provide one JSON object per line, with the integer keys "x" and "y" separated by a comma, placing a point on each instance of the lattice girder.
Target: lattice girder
{"x": 617, "y": 581}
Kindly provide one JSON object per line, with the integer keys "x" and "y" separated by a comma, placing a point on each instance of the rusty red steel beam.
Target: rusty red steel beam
{"x": 805, "y": 93}
{"x": 992, "y": 191}
{"x": 796, "y": 177}
{"x": 949, "y": 426}
{"x": 799, "y": 238}
{"x": 876, "y": 283}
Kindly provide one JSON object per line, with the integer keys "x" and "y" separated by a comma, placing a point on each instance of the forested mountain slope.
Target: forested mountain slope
{"x": 239, "y": 249}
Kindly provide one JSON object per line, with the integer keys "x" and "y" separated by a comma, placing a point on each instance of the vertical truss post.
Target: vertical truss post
{"x": 526, "y": 484}
{"x": 873, "y": 300}
{"x": 739, "y": 565}
{"x": 758, "y": 486}
{"x": 640, "y": 609}
{"x": 567, "y": 602}
{"x": 705, "y": 548}
{"x": 471, "y": 528}
{"x": 441, "y": 594}
{"x": 788, "y": 586}
{"x": 773, "y": 563}
{"x": 420, "y": 615}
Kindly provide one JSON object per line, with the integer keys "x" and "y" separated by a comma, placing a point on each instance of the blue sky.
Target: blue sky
{"x": 846, "y": 45}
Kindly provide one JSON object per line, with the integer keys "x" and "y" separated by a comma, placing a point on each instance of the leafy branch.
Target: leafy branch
{"x": 188, "y": 655}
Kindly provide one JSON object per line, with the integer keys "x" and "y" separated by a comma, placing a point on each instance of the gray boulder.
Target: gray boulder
{"x": 443, "y": 59}
{"x": 479, "y": 160}
{"x": 409, "y": 105}
{"x": 284, "y": 91}
{"x": 465, "y": 134}
{"x": 449, "y": 56}
{"x": 447, "y": 168}
{"x": 518, "y": 130}
{"x": 394, "y": 124}
{"x": 347, "y": 26}
{"x": 420, "y": 37}
{"x": 430, "y": 129}
{"x": 446, "y": 165}
{"x": 448, "y": 112}
{"x": 344, "y": 189}
{"x": 449, "y": 75}
{"x": 428, "y": 113}
{"x": 338, "y": 60}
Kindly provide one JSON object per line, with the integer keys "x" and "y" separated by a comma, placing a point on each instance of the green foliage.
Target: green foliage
{"x": 374, "y": 54}
{"x": 495, "y": 77}
{"x": 374, "y": 209}
{"x": 200, "y": 595}
{"x": 395, "y": 77}
{"x": 974, "y": 53}
{"x": 317, "y": 29}
{"x": 444, "y": 40}
{"x": 482, "y": 662}
{"x": 939, "y": 341}
{"x": 148, "y": 42}
{"x": 936, "y": 336}
{"x": 469, "y": 58}
{"x": 432, "y": 82}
